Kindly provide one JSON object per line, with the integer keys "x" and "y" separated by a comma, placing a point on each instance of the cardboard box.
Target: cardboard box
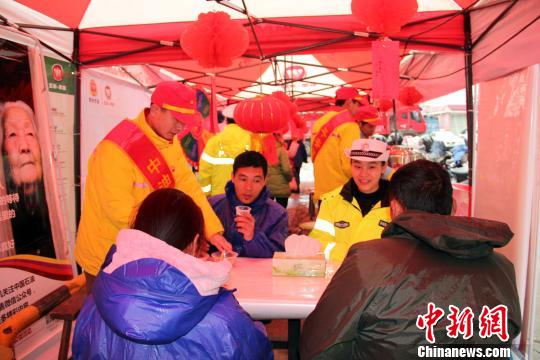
{"x": 294, "y": 266}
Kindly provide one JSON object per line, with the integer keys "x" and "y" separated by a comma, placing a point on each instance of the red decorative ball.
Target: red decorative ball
{"x": 384, "y": 104}
{"x": 262, "y": 114}
{"x": 384, "y": 16}
{"x": 214, "y": 40}
{"x": 409, "y": 96}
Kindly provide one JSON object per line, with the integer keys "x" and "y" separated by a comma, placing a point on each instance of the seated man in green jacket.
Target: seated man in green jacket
{"x": 431, "y": 287}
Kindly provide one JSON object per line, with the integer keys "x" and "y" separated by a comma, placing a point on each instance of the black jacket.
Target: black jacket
{"x": 370, "y": 308}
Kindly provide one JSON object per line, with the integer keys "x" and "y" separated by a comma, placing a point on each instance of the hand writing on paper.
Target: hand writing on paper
{"x": 246, "y": 225}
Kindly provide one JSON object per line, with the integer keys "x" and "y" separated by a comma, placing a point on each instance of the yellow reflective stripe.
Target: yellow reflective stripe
{"x": 207, "y": 188}
{"x": 216, "y": 161}
{"x": 328, "y": 249}
{"x": 178, "y": 109}
{"x": 325, "y": 226}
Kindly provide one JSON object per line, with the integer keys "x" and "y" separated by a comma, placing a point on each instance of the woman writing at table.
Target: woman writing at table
{"x": 153, "y": 299}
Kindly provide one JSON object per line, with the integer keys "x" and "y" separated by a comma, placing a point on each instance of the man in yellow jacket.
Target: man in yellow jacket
{"x": 359, "y": 210}
{"x": 135, "y": 158}
{"x": 216, "y": 163}
{"x": 332, "y": 134}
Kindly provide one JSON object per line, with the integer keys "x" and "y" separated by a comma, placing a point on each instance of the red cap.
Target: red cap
{"x": 179, "y": 99}
{"x": 368, "y": 114}
{"x": 345, "y": 93}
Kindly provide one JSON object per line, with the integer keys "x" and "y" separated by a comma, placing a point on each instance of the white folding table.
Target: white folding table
{"x": 265, "y": 296}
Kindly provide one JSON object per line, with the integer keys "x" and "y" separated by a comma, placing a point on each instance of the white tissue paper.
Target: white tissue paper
{"x": 301, "y": 246}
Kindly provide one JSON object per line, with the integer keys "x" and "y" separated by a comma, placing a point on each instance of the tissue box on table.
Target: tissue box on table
{"x": 283, "y": 265}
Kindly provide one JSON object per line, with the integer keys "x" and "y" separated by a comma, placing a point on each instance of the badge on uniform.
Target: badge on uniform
{"x": 342, "y": 224}
{"x": 382, "y": 223}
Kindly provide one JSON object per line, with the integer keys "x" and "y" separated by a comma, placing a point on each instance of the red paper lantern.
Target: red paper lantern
{"x": 409, "y": 96}
{"x": 384, "y": 16}
{"x": 261, "y": 114}
{"x": 214, "y": 40}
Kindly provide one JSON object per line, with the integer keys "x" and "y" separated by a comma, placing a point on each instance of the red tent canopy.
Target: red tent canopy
{"x": 432, "y": 44}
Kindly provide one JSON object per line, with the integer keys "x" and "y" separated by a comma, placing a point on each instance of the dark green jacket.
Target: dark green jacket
{"x": 370, "y": 308}
{"x": 279, "y": 175}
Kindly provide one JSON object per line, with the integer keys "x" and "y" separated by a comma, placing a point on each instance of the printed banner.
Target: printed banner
{"x": 24, "y": 222}
{"x": 61, "y": 85}
{"x": 31, "y": 220}
{"x": 26, "y": 279}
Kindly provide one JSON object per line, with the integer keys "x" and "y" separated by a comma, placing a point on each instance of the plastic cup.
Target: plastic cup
{"x": 243, "y": 210}
{"x": 222, "y": 255}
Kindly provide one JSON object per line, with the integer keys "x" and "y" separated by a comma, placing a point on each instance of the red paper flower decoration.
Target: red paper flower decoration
{"x": 409, "y": 96}
{"x": 214, "y": 40}
{"x": 384, "y": 16}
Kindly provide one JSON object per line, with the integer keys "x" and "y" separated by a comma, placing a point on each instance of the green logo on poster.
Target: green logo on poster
{"x": 60, "y": 76}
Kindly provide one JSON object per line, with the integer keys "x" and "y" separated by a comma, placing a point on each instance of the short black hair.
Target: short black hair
{"x": 250, "y": 159}
{"x": 172, "y": 216}
{"x": 422, "y": 185}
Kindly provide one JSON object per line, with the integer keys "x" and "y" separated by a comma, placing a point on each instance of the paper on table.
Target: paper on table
{"x": 301, "y": 246}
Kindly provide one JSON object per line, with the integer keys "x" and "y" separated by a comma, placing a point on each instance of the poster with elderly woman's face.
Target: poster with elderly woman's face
{"x": 24, "y": 221}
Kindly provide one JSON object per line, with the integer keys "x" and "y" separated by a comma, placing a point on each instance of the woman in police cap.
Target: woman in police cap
{"x": 359, "y": 210}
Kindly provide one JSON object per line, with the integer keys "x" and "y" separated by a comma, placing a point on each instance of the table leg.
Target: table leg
{"x": 294, "y": 338}
{"x": 64, "y": 343}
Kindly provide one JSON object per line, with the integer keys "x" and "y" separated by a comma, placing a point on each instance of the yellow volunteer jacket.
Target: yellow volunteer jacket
{"x": 340, "y": 223}
{"x": 216, "y": 163}
{"x": 331, "y": 167}
{"x": 115, "y": 186}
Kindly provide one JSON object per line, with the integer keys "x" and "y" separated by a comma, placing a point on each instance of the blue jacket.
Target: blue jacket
{"x": 271, "y": 223}
{"x": 148, "y": 309}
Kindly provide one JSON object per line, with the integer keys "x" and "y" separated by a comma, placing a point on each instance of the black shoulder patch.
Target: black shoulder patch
{"x": 382, "y": 223}
{"x": 342, "y": 224}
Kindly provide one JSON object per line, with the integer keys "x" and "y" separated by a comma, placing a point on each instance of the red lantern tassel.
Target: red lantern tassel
{"x": 266, "y": 145}
{"x": 270, "y": 149}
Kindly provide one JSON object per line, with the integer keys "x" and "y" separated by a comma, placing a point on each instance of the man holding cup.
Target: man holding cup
{"x": 255, "y": 225}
